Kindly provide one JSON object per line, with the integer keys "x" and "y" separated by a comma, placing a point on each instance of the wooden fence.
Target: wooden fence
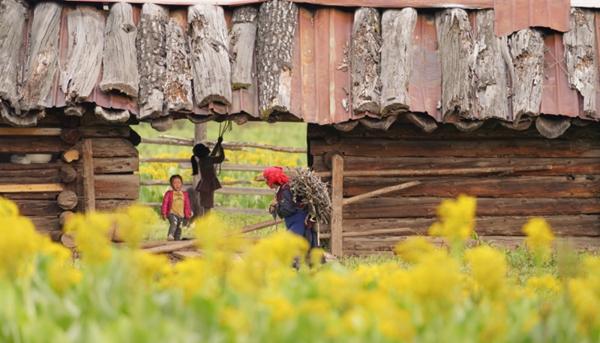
{"x": 230, "y": 187}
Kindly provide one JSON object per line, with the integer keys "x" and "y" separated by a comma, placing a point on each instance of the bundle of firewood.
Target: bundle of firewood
{"x": 312, "y": 192}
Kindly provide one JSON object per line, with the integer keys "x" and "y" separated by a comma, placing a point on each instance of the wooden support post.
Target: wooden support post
{"x": 89, "y": 193}
{"x": 337, "y": 200}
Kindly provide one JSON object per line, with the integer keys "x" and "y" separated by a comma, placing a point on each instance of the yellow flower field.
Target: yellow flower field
{"x": 243, "y": 290}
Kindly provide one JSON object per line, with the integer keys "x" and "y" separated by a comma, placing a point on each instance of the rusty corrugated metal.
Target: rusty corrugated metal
{"x": 515, "y": 15}
{"x": 557, "y": 97}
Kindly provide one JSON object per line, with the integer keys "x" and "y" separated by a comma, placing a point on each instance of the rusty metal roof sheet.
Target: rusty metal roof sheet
{"x": 514, "y": 15}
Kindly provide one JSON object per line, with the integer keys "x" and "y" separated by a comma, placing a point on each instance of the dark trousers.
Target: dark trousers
{"x": 175, "y": 223}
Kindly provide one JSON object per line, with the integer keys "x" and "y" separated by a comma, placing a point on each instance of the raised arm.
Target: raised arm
{"x": 217, "y": 155}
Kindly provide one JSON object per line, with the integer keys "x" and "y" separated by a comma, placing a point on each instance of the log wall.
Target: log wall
{"x": 44, "y": 191}
{"x": 565, "y": 190}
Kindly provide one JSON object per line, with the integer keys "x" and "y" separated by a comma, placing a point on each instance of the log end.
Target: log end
{"x": 130, "y": 90}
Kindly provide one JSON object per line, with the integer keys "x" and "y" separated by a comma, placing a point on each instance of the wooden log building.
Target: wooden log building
{"x": 495, "y": 99}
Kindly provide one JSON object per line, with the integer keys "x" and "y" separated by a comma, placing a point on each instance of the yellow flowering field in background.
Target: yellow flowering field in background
{"x": 245, "y": 290}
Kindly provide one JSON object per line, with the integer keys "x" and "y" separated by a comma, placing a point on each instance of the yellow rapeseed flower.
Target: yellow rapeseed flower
{"x": 539, "y": 237}
{"x": 414, "y": 248}
{"x": 488, "y": 267}
{"x": 133, "y": 222}
{"x": 456, "y": 219}
{"x": 19, "y": 244}
{"x": 91, "y": 235}
{"x": 543, "y": 285}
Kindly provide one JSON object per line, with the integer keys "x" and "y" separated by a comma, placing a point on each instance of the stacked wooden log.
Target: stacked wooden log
{"x": 515, "y": 175}
{"x": 91, "y": 167}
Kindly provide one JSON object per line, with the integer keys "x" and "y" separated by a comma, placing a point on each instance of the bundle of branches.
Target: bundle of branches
{"x": 313, "y": 193}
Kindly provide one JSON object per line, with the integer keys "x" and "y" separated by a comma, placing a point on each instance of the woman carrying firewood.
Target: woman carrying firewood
{"x": 205, "y": 160}
{"x": 287, "y": 207}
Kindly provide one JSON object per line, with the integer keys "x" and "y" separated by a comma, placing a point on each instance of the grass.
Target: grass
{"x": 280, "y": 134}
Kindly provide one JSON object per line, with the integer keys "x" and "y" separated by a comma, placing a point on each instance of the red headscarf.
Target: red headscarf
{"x": 275, "y": 176}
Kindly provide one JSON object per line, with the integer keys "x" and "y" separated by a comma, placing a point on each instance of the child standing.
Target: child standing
{"x": 176, "y": 207}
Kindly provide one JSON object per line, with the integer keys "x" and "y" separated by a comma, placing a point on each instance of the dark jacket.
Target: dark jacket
{"x": 209, "y": 182}
{"x": 286, "y": 204}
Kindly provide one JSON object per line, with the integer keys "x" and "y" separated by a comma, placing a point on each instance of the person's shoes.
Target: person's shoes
{"x": 170, "y": 238}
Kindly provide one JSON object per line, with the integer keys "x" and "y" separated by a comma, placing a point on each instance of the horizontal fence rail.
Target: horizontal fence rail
{"x": 231, "y": 145}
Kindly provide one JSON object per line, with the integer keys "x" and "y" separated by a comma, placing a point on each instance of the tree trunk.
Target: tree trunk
{"x": 456, "y": 53}
{"x": 13, "y": 14}
{"x": 364, "y": 61}
{"x": 396, "y": 59}
{"x": 84, "y": 51}
{"x": 151, "y": 44}
{"x": 581, "y": 60}
{"x": 490, "y": 82}
{"x": 527, "y": 51}
{"x": 178, "y": 90}
{"x": 42, "y": 57}
{"x": 241, "y": 40}
{"x": 120, "y": 67}
{"x": 277, "y": 21}
{"x": 210, "y": 58}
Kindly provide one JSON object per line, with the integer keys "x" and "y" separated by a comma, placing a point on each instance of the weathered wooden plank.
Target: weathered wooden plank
{"x": 487, "y": 148}
{"x": 178, "y": 90}
{"x": 559, "y": 166}
{"x": 581, "y": 59}
{"x": 210, "y": 59}
{"x": 337, "y": 191}
{"x": 113, "y": 147}
{"x": 89, "y": 195}
{"x": 42, "y": 56}
{"x": 22, "y": 145}
{"x": 112, "y": 204}
{"x": 110, "y": 131}
{"x": 31, "y": 188}
{"x": 527, "y": 51}
{"x": 413, "y": 207}
{"x": 277, "y": 21}
{"x": 117, "y": 186}
{"x": 151, "y": 43}
{"x": 491, "y": 70}
{"x": 456, "y": 53}
{"x": 84, "y": 53}
{"x": 241, "y": 41}
{"x": 511, "y": 187}
{"x": 368, "y": 246}
{"x": 397, "y": 29}
{"x": 46, "y": 224}
{"x": 29, "y": 168}
{"x": 488, "y": 131}
{"x": 37, "y": 196}
{"x": 38, "y": 208}
{"x": 365, "y": 61}
{"x": 577, "y": 225}
{"x": 115, "y": 165}
{"x": 46, "y": 175}
{"x": 120, "y": 66}
{"x": 13, "y": 15}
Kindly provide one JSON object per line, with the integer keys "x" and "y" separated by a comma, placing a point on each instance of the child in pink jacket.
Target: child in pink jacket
{"x": 176, "y": 207}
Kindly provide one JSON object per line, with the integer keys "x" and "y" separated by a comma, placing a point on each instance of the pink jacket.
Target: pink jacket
{"x": 168, "y": 201}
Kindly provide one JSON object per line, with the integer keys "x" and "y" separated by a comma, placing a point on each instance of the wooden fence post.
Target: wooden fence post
{"x": 89, "y": 192}
{"x": 337, "y": 200}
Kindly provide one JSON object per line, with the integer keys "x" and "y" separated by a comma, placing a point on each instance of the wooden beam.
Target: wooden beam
{"x": 31, "y": 188}
{"x": 42, "y": 58}
{"x": 84, "y": 53}
{"x": 152, "y": 53}
{"x": 89, "y": 193}
{"x": 178, "y": 89}
{"x": 527, "y": 51}
{"x": 365, "y": 56}
{"x": 241, "y": 39}
{"x": 438, "y": 172}
{"x": 380, "y": 191}
{"x": 277, "y": 21}
{"x": 397, "y": 28}
{"x": 13, "y": 16}
{"x": 209, "y": 56}
{"x": 120, "y": 70}
{"x": 337, "y": 202}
